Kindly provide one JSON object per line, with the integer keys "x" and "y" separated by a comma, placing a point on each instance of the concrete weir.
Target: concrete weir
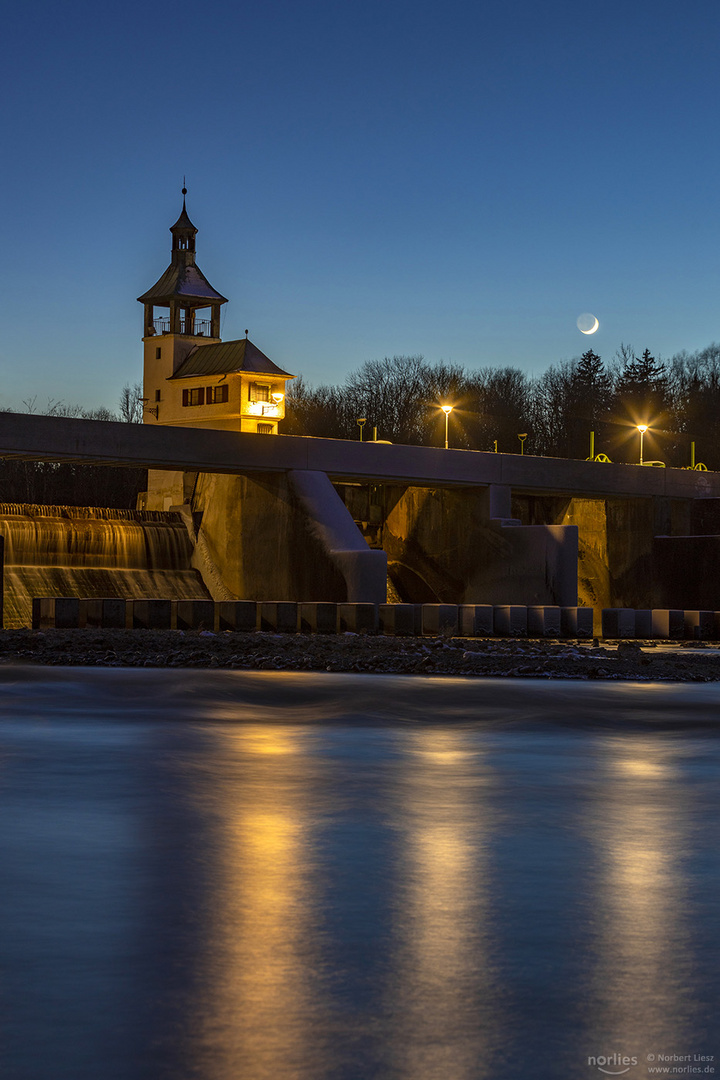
{"x": 298, "y": 537}
{"x": 303, "y": 520}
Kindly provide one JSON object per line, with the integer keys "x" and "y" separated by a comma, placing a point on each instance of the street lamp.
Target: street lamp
{"x": 361, "y": 424}
{"x": 522, "y": 439}
{"x": 642, "y": 428}
{"x": 447, "y": 409}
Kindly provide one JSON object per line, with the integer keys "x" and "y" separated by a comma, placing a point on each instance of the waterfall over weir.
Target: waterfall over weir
{"x": 90, "y": 552}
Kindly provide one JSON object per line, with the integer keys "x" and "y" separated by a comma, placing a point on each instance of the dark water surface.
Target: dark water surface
{"x": 235, "y": 876}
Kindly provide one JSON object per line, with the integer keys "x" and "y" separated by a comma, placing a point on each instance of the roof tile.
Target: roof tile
{"x": 228, "y": 358}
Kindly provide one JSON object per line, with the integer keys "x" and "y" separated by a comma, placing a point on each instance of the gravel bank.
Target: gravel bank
{"x": 356, "y": 653}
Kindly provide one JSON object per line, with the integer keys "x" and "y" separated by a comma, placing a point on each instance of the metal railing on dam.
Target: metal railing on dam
{"x": 155, "y": 446}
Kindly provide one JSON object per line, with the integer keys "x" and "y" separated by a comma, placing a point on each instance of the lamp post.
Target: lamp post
{"x": 447, "y": 409}
{"x": 522, "y": 439}
{"x": 361, "y": 424}
{"x": 642, "y": 428}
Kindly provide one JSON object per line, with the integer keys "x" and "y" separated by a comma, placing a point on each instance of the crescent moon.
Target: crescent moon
{"x": 592, "y": 328}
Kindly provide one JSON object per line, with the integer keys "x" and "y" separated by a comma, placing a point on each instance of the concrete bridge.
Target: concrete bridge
{"x": 186, "y": 449}
{"x": 293, "y": 518}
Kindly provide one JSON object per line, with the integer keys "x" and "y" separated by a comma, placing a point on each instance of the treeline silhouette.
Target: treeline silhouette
{"x": 679, "y": 400}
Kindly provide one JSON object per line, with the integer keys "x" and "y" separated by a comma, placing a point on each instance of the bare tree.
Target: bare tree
{"x": 130, "y": 404}
{"x": 393, "y": 395}
{"x": 504, "y": 405}
{"x": 101, "y": 413}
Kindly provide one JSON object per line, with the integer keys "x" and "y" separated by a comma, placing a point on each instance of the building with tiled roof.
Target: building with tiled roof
{"x": 190, "y": 376}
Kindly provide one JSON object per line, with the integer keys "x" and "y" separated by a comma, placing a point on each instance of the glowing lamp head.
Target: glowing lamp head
{"x": 447, "y": 409}
{"x": 642, "y": 428}
{"x": 277, "y": 398}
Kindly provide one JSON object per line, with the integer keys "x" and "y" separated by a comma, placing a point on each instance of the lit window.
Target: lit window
{"x": 259, "y": 392}
{"x": 266, "y": 429}
{"x": 216, "y": 395}
{"x": 195, "y": 396}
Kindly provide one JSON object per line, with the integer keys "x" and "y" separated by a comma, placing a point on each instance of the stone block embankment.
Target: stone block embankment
{"x": 391, "y": 620}
{"x": 661, "y": 624}
{"x": 396, "y": 620}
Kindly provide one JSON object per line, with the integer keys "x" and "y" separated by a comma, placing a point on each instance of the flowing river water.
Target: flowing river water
{"x": 260, "y": 876}
{"x": 90, "y": 551}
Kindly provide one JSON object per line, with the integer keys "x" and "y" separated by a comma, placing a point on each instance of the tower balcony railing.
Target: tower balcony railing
{"x": 194, "y": 327}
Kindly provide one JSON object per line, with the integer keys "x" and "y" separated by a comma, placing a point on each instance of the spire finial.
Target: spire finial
{"x": 246, "y": 333}
{"x": 184, "y": 191}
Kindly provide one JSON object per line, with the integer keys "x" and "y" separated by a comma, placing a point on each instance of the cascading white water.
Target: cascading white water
{"x": 90, "y": 552}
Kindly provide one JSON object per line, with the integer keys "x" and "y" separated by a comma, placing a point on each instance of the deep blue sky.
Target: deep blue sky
{"x": 460, "y": 180}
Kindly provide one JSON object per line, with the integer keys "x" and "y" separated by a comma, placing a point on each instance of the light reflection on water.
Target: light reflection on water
{"x": 220, "y": 875}
{"x": 259, "y": 1001}
{"x": 641, "y": 832}
{"x": 442, "y": 976}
